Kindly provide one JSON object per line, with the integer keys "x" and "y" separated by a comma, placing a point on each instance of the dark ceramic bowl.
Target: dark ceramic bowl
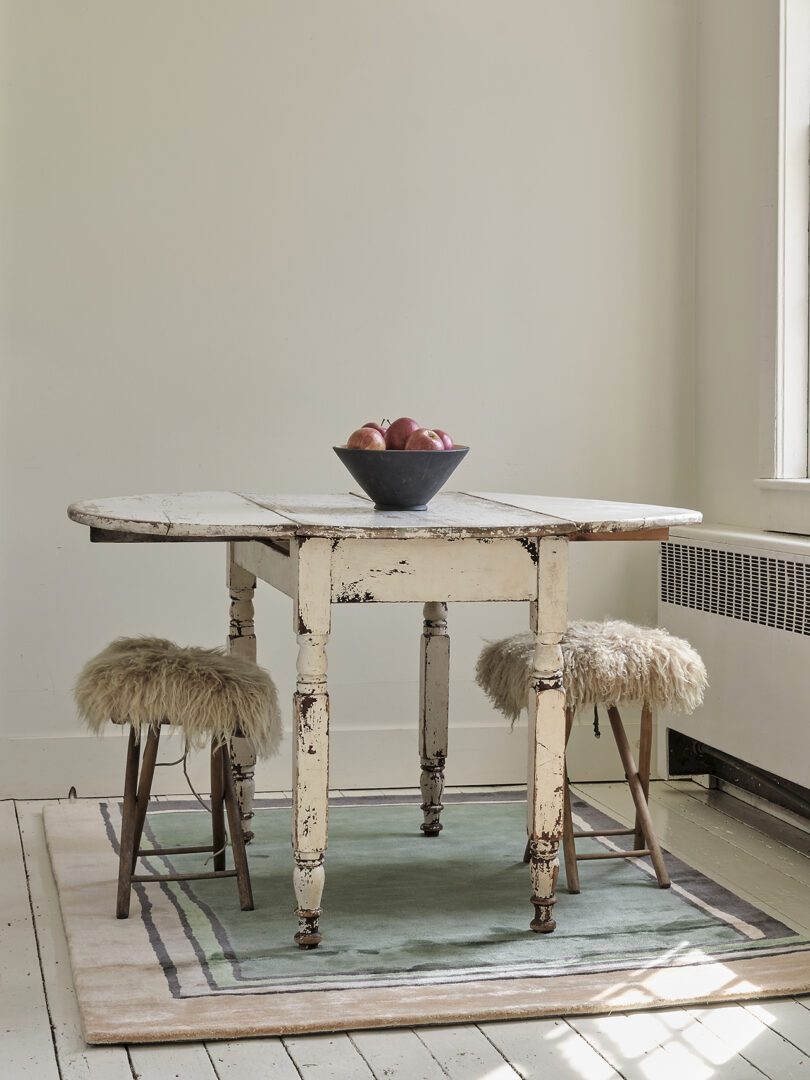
{"x": 401, "y": 479}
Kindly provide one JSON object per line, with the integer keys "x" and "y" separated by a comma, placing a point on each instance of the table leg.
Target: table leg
{"x": 549, "y": 619}
{"x": 311, "y": 742}
{"x": 242, "y": 642}
{"x": 434, "y": 679}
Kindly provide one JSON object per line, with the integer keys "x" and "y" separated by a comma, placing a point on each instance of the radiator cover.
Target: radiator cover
{"x": 743, "y": 600}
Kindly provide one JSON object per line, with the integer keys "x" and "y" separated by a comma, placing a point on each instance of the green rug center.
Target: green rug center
{"x": 396, "y": 902}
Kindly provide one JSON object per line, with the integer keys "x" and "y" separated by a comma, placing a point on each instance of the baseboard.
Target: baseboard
{"x": 47, "y": 768}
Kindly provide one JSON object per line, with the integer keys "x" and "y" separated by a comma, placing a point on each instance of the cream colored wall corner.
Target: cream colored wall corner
{"x": 736, "y": 250}
{"x": 232, "y": 232}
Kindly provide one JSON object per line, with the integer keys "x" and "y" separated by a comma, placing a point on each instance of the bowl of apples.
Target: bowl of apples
{"x": 402, "y": 465}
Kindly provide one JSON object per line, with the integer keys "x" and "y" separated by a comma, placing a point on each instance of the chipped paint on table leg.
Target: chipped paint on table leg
{"x": 544, "y": 802}
{"x": 243, "y": 764}
{"x": 310, "y": 785}
{"x": 311, "y": 737}
{"x": 242, "y": 642}
{"x": 434, "y": 680}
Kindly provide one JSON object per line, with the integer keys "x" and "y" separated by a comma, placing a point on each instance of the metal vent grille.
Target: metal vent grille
{"x": 758, "y": 589}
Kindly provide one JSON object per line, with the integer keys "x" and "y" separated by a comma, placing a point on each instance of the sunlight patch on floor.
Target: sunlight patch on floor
{"x": 580, "y": 1057}
{"x": 501, "y": 1072}
{"x": 674, "y": 1062}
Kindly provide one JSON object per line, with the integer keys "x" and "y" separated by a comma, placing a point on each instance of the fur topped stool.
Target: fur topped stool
{"x": 605, "y": 663}
{"x": 148, "y": 683}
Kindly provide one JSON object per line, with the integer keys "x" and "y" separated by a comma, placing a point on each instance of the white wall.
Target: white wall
{"x": 737, "y": 133}
{"x": 232, "y": 232}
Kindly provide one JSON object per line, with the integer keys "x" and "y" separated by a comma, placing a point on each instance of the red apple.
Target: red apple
{"x": 377, "y": 427}
{"x": 366, "y": 438}
{"x": 424, "y": 439}
{"x": 446, "y": 439}
{"x": 398, "y": 433}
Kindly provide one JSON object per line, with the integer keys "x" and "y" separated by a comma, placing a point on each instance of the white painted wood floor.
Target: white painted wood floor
{"x": 762, "y": 858}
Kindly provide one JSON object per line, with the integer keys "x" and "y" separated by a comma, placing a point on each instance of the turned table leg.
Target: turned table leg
{"x": 434, "y": 679}
{"x": 549, "y": 619}
{"x": 569, "y": 847}
{"x": 311, "y": 736}
{"x": 242, "y": 642}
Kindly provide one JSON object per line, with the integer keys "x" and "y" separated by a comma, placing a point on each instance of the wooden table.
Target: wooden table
{"x": 336, "y": 549}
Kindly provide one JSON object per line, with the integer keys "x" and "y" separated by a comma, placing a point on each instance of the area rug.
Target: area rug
{"x": 416, "y": 930}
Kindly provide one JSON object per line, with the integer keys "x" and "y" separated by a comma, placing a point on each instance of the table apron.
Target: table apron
{"x": 268, "y": 562}
{"x": 423, "y": 569}
{"x": 398, "y": 571}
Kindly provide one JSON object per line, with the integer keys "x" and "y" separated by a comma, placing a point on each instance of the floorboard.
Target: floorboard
{"x": 170, "y": 1061}
{"x": 754, "y": 1040}
{"x": 397, "y": 1055}
{"x": 327, "y": 1057}
{"x": 26, "y": 1046}
{"x": 465, "y": 1053}
{"x": 252, "y": 1059}
{"x": 77, "y": 1060}
{"x": 722, "y": 819}
{"x": 787, "y": 1017}
{"x": 665, "y": 1044}
{"x": 542, "y": 1049}
{"x": 783, "y": 832}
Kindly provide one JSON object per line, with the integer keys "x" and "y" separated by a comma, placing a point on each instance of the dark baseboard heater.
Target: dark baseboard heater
{"x": 688, "y": 756}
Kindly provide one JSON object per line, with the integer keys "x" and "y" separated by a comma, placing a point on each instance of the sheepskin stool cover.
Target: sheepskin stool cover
{"x": 604, "y": 663}
{"x": 212, "y": 696}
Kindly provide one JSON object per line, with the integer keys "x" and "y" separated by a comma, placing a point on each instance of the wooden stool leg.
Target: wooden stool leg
{"x": 637, "y": 792}
{"x": 144, "y": 789}
{"x": 128, "y": 827}
{"x": 644, "y": 754}
{"x": 237, "y": 839}
{"x": 569, "y": 848}
{"x": 218, "y": 803}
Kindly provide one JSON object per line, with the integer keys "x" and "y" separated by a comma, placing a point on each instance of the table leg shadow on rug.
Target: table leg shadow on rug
{"x": 416, "y": 931}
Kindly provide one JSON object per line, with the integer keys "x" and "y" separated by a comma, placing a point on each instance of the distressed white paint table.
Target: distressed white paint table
{"x": 336, "y": 549}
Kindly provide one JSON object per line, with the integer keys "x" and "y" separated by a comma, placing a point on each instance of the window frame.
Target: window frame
{"x": 784, "y": 479}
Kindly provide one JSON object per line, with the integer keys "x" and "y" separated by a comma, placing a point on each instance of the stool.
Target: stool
{"x": 150, "y": 683}
{"x": 605, "y": 663}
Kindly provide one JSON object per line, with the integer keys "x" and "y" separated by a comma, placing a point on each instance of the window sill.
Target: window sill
{"x": 785, "y": 505}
